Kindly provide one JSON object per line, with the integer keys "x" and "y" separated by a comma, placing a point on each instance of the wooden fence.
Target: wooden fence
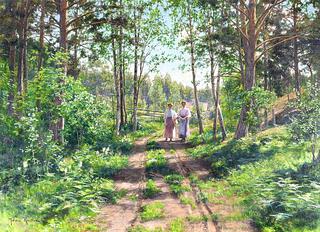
{"x": 148, "y": 115}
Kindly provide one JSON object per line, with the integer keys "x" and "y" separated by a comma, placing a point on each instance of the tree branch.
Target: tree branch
{"x": 240, "y": 30}
{"x": 280, "y": 42}
{"x": 272, "y": 39}
{"x": 261, "y": 19}
{"x": 79, "y": 18}
{"x": 240, "y": 10}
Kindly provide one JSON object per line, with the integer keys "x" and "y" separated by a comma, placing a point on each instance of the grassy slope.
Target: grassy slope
{"x": 270, "y": 177}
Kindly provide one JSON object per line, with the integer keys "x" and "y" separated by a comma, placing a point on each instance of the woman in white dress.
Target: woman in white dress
{"x": 170, "y": 118}
{"x": 184, "y": 118}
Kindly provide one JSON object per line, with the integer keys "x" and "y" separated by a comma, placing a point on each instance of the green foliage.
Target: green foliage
{"x": 175, "y": 182}
{"x": 234, "y": 97}
{"x": 269, "y": 174}
{"x": 153, "y": 145}
{"x": 140, "y": 228}
{"x": 79, "y": 187}
{"x": 187, "y": 201}
{"x": 306, "y": 122}
{"x": 151, "y": 189}
{"x": 48, "y": 185}
{"x": 175, "y": 179}
{"x": 156, "y": 161}
{"x": 262, "y": 99}
{"x": 177, "y": 225}
{"x": 197, "y": 218}
{"x": 152, "y": 211}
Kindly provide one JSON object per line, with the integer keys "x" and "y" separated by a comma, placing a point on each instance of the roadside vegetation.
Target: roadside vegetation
{"x": 271, "y": 176}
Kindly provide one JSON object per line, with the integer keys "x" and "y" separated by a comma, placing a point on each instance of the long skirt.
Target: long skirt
{"x": 184, "y": 128}
{"x": 170, "y": 128}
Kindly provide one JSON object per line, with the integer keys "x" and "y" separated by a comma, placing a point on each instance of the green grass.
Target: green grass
{"x": 152, "y": 211}
{"x": 175, "y": 184}
{"x": 177, "y": 225}
{"x": 153, "y": 145}
{"x": 271, "y": 177}
{"x": 187, "y": 201}
{"x": 197, "y": 218}
{"x": 141, "y": 228}
{"x": 156, "y": 161}
{"x": 151, "y": 189}
{"x": 144, "y": 229}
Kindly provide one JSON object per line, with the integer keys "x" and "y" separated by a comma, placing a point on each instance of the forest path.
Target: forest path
{"x": 223, "y": 212}
{"x": 120, "y": 216}
{"x": 195, "y": 214}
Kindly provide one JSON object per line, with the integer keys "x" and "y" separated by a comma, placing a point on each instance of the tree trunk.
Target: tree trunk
{"x": 266, "y": 74}
{"x": 249, "y": 48}
{"x": 121, "y": 84}
{"x": 63, "y": 31}
{"x": 240, "y": 57}
{"x": 25, "y": 45}
{"x": 215, "y": 91}
{"x": 22, "y": 28}
{"x": 11, "y": 46}
{"x": 120, "y": 69}
{"x": 59, "y": 124}
{"x": 192, "y": 53}
{"x": 75, "y": 62}
{"x": 124, "y": 104}
{"x": 41, "y": 37}
{"x": 219, "y": 111}
{"x": 135, "y": 75}
{"x": 295, "y": 50}
{"x": 116, "y": 84}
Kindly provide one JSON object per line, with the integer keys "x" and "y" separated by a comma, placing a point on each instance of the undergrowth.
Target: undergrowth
{"x": 271, "y": 176}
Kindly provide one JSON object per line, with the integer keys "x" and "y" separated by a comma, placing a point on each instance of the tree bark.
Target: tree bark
{"x": 218, "y": 113}
{"x": 192, "y": 54}
{"x": 135, "y": 95}
{"x": 215, "y": 91}
{"x": 41, "y": 36}
{"x": 22, "y": 31}
{"x": 249, "y": 48}
{"x": 240, "y": 57}
{"x": 116, "y": 84}
{"x": 10, "y": 10}
{"x": 295, "y": 50}
{"x": 25, "y": 44}
{"x": 122, "y": 112}
{"x": 63, "y": 31}
{"x": 135, "y": 75}
{"x": 59, "y": 124}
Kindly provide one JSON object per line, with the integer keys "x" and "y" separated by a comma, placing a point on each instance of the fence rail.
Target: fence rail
{"x": 149, "y": 114}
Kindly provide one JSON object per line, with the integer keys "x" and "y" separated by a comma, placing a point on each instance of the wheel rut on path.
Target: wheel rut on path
{"x": 176, "y": 164}
{"x": 119, "y": 217}
{"x": 223, "y": 209}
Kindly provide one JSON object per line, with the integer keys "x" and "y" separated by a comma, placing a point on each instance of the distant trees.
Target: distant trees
{"x": 269, "y": 44}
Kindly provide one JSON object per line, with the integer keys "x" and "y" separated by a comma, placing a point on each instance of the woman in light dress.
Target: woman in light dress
{"x": 170, "y": 118}
{"x": 184, "y": 118}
